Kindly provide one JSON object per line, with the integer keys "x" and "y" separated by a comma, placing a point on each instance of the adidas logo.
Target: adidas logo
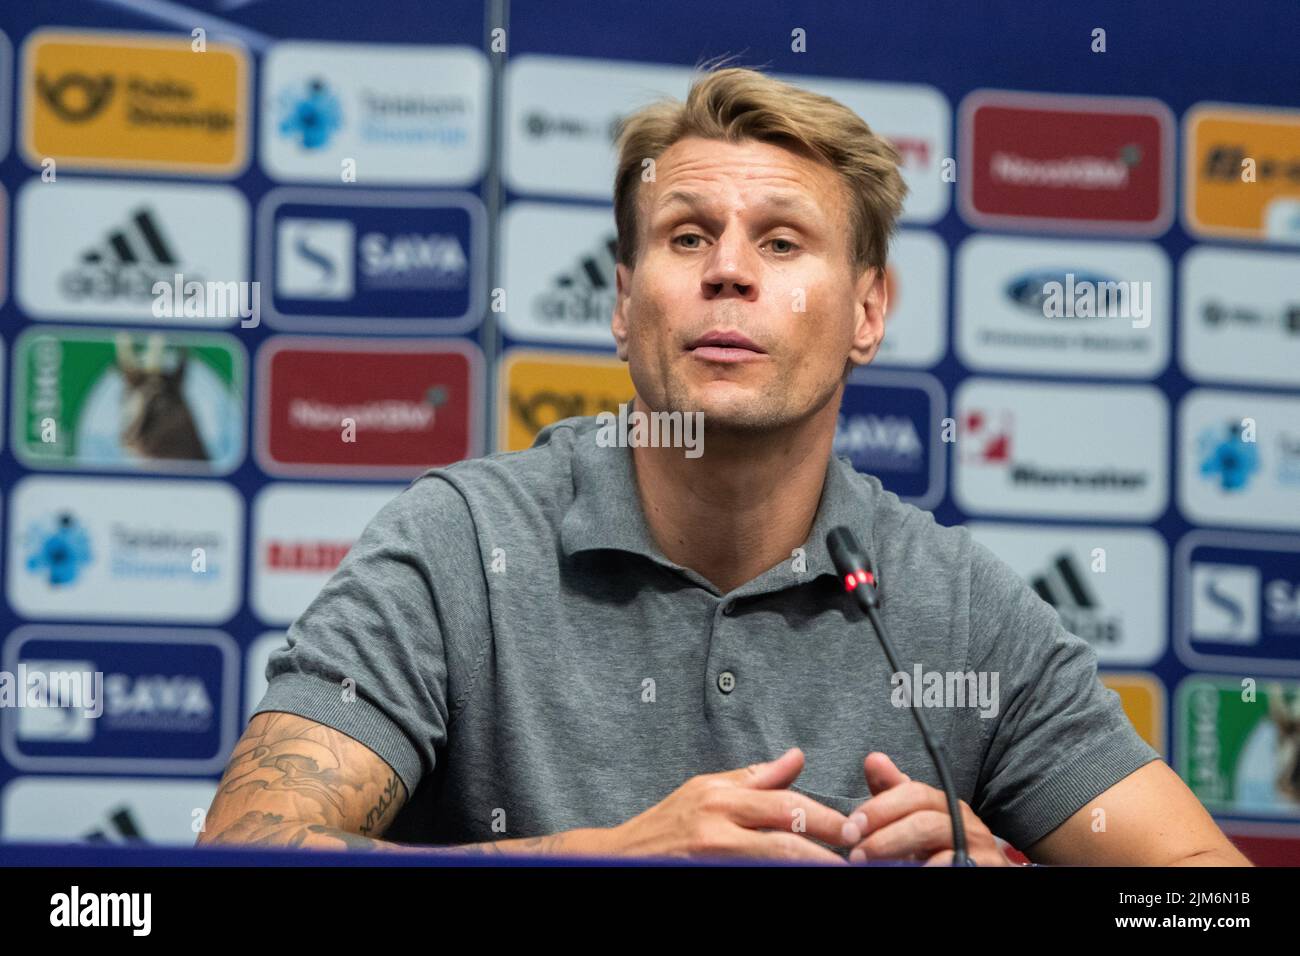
{"x": 119, "y": 827}
{"x": 585, "y": 293}
{"x": 125, "y": 265}
{"x": 1067, "y": 590}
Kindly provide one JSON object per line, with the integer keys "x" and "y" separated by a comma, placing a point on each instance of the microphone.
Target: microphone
{"x": 854, "y": 566}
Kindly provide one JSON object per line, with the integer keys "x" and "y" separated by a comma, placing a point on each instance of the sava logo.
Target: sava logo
{"x": 880, "y": 441}
{"x": 156, "y": 702}
{"x": 435, "y": 261}
{"x": 132, "y": 703}
{"x": 126, "y": 264}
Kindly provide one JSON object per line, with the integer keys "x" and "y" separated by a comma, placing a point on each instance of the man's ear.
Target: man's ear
{"x": 870, "y": 302}
{"x": 618, "y": 322}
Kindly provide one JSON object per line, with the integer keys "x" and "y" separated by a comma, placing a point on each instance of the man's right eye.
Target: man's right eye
{"x": 688, "y": 235}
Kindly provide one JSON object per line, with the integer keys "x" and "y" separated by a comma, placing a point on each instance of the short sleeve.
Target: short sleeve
{"x": 371, "y": 655}
{"x": 1060, "y": 737}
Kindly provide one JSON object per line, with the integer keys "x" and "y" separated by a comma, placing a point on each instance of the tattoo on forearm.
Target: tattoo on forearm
{"x": 313, "y": 775}
{"x": 386, "y": 799}
{"x": 322, "y": 783}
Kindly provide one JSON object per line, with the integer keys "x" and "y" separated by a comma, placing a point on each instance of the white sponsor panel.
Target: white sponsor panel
{"x": 1067, "y": 307}
{"x": 558, "y": 262}
{"x": 93, "y": 249}
{"x": 1239, "y": 459}
{"x": 916, "y": 324}
{"x": 561, "y": 115}
{"x": 256, "y": 658}
{"x": 1107, "y": 584}
{"x": 917, "y": 119}
{"x": 1239, "y": 316}
{"x": 116, "y": 810}
{"x": 300, "y": 533}
{"x": 1083, "y": 451}
{"x": 125, "y": 549}
{"x": 394, "y": 113}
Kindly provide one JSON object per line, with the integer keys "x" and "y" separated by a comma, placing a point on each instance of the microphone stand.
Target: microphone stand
{"x": 860, "y": 581}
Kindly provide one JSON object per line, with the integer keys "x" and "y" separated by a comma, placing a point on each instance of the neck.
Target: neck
{"x": 744, "y": 505}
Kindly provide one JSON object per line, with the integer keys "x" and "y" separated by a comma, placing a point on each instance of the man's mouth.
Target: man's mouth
{"x": 725, "y": 346}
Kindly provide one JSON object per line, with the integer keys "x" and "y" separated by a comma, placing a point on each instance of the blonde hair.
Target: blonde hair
{"x": 735, "y": 104}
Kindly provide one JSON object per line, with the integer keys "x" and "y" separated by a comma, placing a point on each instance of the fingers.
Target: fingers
{"x": 902, "y": 799}
{"x": 787, "y": 811}
{"x": 917, "y": 836}
{"x": 881, "y": 773}
{"x": 773, "y": 775}
{"x": 775, "y": 844}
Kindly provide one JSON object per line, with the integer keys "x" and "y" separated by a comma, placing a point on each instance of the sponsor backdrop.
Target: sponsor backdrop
{"x": 258, "y": 276}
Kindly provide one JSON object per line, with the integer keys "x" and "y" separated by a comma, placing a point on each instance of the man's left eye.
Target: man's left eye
{"x": 783, "y": 245}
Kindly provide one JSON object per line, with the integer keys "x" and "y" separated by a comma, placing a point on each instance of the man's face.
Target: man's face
{"x": 744, "y": 302}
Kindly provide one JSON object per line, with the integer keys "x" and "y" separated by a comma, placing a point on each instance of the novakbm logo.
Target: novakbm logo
{"x": 1226, "y": 457}
{"x": 310, "y": 114}
{"x": 58, "y": 548}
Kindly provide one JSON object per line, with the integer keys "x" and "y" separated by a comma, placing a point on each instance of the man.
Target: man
{"x": 593, "y": 648}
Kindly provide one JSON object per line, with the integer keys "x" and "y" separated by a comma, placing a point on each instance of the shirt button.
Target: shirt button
{"x": 729, "y": 608}
{"x": 726, "y": 682}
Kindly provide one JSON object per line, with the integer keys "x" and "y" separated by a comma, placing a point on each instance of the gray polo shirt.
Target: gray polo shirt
{"x": 520, "y": 652}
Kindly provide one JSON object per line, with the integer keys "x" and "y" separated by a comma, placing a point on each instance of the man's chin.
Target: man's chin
{"x": 750, "y": 414}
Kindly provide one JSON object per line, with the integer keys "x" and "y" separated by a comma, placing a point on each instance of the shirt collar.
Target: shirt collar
{"x": 606, "y": 513}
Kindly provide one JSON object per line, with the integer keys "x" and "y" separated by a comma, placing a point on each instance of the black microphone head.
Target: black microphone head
{"x": 847, "y": 555}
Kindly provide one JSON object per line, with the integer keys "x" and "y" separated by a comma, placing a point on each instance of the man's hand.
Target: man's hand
{"x": 746, "y": 812}
{"x": 907, "y": 820}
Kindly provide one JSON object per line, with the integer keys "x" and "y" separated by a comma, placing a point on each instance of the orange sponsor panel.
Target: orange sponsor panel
{"x": 541, "y": 387}
{"x": 1242, "y": 178}
{"x": 134, "y": 102}
{"x": 1143, "y": 698}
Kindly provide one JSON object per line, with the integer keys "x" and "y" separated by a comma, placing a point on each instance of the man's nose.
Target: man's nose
{"x": 731, "y": 269}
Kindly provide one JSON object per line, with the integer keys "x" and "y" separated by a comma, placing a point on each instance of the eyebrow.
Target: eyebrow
{"x": 782, "y": 202}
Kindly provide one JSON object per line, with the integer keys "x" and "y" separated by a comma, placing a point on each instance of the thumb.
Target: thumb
{"x": 881, "y": 773}
{"x": 772, "y": 775}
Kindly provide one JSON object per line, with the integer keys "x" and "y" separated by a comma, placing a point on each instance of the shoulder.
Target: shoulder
{"x": 504, "y": 485}
{"x": 909, "y": 541}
